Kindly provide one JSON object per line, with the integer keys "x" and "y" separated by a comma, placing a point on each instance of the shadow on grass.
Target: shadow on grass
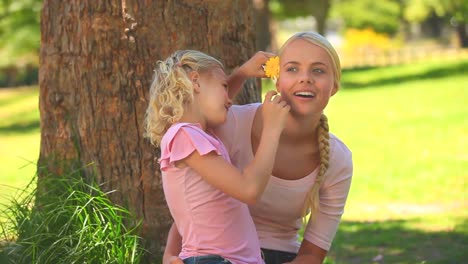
{"x": 393, "y": 242}
{"x": 435, "y": 72}
{"x": 20, "y": 128}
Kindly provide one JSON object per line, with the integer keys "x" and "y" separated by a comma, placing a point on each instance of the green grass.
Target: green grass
{"x": 72, "y": 221}
{"x": 19, "y": 138}
{"x": 407, "y": 127}
{"x": 408, "y": 138}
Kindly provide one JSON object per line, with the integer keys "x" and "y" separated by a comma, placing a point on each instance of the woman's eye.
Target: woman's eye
{"x": 291, "y": 69}
{"x": 318, "y": 70}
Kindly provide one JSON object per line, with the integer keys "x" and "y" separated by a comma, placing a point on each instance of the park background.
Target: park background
{"x": 401, "y": 110}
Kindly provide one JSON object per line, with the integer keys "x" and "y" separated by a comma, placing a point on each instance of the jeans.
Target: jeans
{"x": 206, "y": 259}
{"x": 277, "y": 257}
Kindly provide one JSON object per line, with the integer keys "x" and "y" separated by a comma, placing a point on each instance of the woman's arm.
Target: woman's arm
{"x": 309, "y": 254}
{"x": 333, "y": 198}
{"x": 173, "y": 247}
{"x": 251, "y": 68}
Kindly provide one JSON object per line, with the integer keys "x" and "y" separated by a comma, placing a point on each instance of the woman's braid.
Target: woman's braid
{"x": 312, "y": 199}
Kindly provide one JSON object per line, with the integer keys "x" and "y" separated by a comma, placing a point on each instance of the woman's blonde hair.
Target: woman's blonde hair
{"x": 312, "y": 200}
{"x": 172, "y": 90}
{"x": 319, "y": 40}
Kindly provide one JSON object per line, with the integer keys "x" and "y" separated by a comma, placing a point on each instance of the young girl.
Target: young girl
{"x": 205, "y": 193}
{"x": 313, "y": 168}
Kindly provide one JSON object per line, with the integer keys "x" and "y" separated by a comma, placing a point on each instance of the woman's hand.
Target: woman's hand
{"x": 309, "y": 253}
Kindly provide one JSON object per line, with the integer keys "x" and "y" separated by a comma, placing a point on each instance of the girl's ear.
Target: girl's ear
{"x": 194, "y": 78}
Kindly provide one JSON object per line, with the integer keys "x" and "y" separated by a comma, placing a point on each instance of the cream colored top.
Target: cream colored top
{"x": 277, "y": 216}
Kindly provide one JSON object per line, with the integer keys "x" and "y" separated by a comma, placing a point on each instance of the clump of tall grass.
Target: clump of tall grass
{"x": 67, "y": 219}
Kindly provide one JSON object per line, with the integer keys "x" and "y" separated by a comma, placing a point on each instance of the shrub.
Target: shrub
{"x": 68, "y": 219}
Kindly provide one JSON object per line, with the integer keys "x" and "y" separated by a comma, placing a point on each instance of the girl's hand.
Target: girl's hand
{"x": 253, "y": 67}
{"x": 274, "y": 112}
{"x": 175, "y": 260}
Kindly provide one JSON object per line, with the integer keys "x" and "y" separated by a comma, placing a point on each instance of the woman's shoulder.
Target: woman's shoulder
{"x": 338, "y": 148}
{"x": 341, "y": 161}
{"x": 246, "y": 109}
{"x": 239, "y": 117}
{"x": 237, "y": 128}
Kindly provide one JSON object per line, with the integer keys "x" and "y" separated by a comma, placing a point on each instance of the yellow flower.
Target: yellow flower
{"x": 272, "y": 68}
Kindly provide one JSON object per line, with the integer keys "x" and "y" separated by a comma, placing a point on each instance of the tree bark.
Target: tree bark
{"x": 96, "y": 64}
{"x": 262, "y": 25}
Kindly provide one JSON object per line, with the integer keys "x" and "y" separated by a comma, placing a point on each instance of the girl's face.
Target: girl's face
{"x": 213, "y": 97}
{"x": 306, "y": 79}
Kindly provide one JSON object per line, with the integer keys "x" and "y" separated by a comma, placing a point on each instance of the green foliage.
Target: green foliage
{"x": 284, "y": 9}
{"x": 419, "y": 10}
{"x": 67, "y": 219}
{"x": 19, "y": 28}
{"x": 361, "y": 14}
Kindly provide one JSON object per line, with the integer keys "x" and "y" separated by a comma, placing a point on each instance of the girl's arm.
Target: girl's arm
{"x": 251, "y": 68}
{"x": 173, "y": 247}
{"x": 248, "y": 185}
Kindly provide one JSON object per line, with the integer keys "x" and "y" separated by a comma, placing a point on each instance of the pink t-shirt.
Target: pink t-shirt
{"x": 277, "y": 215}
{"x": 209, "y": 221}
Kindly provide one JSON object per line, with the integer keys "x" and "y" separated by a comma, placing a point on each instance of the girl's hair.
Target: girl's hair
{"x": 171, "y": 90}
{"x": 312, "y": 200}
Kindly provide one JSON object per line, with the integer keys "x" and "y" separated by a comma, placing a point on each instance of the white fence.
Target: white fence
{"x": 363, "y": 58}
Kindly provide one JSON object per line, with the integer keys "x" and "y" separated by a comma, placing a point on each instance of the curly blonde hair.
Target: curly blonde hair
{"x": 172, "y": 90}
{"x": 312, "y": 201}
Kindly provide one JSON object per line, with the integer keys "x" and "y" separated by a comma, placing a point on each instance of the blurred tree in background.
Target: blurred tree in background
{"x": 453, "y": 11}
{"x": 19, "y": 42}
{"x": 442, "y": 21}
{"x": 383, "y": 17}
{"x": 319, "y": 9}
{"x": 19, "y": 31}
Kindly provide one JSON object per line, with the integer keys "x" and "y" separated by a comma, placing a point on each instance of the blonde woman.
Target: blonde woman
{"x": 313, "y": 168}
{"x": 206, "y": 195}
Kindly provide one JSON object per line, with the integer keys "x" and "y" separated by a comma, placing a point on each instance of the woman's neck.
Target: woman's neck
{"x": 300, "y": 128}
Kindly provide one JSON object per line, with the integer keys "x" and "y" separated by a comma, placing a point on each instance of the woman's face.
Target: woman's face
{"x": 306, "y": 79}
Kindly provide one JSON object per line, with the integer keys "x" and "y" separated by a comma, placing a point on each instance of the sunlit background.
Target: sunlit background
{"x": 401, "y": 110}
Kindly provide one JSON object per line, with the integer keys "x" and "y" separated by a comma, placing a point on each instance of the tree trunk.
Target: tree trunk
{"x": 320, "y": 10}
{"x": 96, "y": 64}
{"x": 262, "y": 25}
{"x": 462, "y": 34}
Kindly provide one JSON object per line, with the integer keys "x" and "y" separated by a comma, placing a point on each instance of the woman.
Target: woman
{"x": 313, "y": 169}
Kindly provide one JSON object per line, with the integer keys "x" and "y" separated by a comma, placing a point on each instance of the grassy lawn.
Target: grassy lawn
{"x": 19, "y": 138}
{"x": 407, "y": 127}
